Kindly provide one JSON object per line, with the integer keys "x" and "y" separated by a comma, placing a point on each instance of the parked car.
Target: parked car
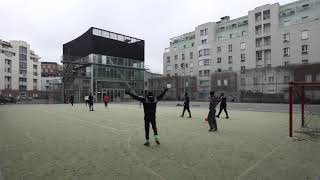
{"x": 11, "y": 99}
{"x": 3, "y": 100}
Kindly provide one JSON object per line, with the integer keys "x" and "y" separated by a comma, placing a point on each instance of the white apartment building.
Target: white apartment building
{"x": 20, "y": 69}
{"x": 271, "y": 35}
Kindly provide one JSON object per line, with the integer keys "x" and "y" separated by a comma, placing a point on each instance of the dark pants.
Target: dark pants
{"x": 184, "y": 109}
{"x": 147, "y": 121}
{"x": 87, "y": 102}
{"x": 212, "y": 119}
{"x": 71, "y": 103}
{"x": 90, "y": 106}
{"x": 223, "y": 107}
{"x": 106, "y": 104}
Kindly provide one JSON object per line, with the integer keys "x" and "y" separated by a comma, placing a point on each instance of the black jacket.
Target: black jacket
{"x": 186, "y": 100}
{"x": 149, "y": 103}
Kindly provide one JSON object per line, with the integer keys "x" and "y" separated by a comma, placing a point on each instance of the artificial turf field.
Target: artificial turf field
{"x": 62, "y": 142}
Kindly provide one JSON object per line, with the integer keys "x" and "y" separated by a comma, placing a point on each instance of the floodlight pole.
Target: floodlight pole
{"x": 302, "y": 106}
{"x": 290, "y": 110}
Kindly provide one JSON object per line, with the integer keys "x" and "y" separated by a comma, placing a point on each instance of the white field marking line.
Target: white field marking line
{"x": 148, "y": 169}
{"x": 259, "y": 162}
{"x": 115, "y": 131}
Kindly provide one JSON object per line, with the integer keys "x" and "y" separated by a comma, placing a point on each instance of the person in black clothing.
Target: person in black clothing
{"x": 71, "y": 100}
{"x": 90, "y": 102}
{"x": 214, "y": 101}
{"x": 223, "y": 106}
{"x": 186, "y": 105}
{"x": 149, "y": 106}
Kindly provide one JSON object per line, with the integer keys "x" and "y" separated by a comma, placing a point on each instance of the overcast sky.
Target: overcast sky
{"x": 47, "y": 24}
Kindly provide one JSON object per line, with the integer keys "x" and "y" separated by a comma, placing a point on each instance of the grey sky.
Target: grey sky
{"x": 47, "y": 24}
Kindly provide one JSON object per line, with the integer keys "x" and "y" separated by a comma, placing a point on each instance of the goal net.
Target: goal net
{"x": 304, "y": 109}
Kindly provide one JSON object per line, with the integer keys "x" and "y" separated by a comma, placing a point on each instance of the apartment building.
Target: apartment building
{"x": 20, "y": 73}
{"x": 271, "y": 35}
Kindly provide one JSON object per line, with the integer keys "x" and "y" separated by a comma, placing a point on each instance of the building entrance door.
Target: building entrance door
{"x": 115, "y": 95}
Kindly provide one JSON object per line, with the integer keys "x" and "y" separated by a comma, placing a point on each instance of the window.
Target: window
{"x": 258, "y": 55}
{"x": 191, "y": 65}
{"x": 186, "y": 65}
{"x": 200, "y": 73}
{"x": 243, "y": 81}
{"x": 183, "y": 58}
{"x": 318, "y": 77}
{"x": 204, "y": 83}
{"x": 219, "y": 60}
{"x": 266, "y": 28}
{"x": 267, "y": 40}
{"x": 206, "y": 72}
{"x": 258, "y": 42}
{"x": 286, "y": 37}
{"x": 230, "y": 69}
{"x": 230, "y": 60}
{"x": 286, "y": 79}
{"x": 231, "y": 36}
{"x": 304, "y": 35}
{"x": 286, "y": 63}
{"x": 255, "y": 81}
{"x": 270, "y": 79}
{"x": 204, "y": 41}
{"x": 258, "y": 17}
{"x": 219, "y": 82}
{"x": 219, "y": 69}
{"x": 200, "y": 53}
{"x": 192, "y": 44}
{"x": 219, "y": 49}
{"x": 225, "y": 82}
{"x": 182, "y": 65}
{"x": 206, "y": 52}
{"x": 200, "y": 63}
{"x": 304, "y": 49}
{"x": 203, "y": 32}
{"x": 266, "y": 14}
{"x": 168, "y": 67}
{"x": 168, "y": 59}
{"x": 267, "y": 54}
{"x": 176, "y": 66}
{"x": 206, "y": 62}
{"x": 242, "y": 45}
{"x": 243, "y": 57}
{"x": 308, "y": 77}
{"x": 286, "y": 52}
{"x": 258, "y": 30}
{"x": 176, "y": 57}
{"x": 243, "y": 68}
{"x": 184, "y": 46}
{"x": 230, "y": 47}
{"x": 305, "y": 61}
{"x": 243, "y": 33}
{"x": 191, "y": 55}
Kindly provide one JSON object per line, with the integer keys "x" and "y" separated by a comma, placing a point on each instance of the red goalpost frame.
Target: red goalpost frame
{"x": 301, "y": 86}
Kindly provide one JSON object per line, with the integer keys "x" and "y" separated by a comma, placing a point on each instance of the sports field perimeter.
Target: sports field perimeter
{"x": 57, "y": 142}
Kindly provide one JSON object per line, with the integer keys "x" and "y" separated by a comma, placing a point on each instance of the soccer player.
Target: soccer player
{"x": 71, "y": 100}
{"x": 186, "y": 105}
{"x": 149, "y": 106}
{"x": 90, "y": 102}
{"x": 106, "y": 100}
{"x": 214, "y": 101}
{"x": 223, "y": 106}
{"x": 86, "y": 99}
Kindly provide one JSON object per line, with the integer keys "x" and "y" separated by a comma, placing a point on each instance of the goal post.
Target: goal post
{"x": 306, "y": 94}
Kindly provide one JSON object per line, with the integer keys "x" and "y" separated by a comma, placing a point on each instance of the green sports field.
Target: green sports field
{"x": 59, "y": 142}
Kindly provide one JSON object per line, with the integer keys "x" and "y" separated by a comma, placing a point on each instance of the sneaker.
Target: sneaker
{"x": 217, "y": 116}
{"x": 227, "y": 117}
{"x": 189, "y": 117}
{"x": 147, "y": 144}
{"x": 211, "y": 129}
{"x": 215, "y": 129}
{"x": 181, "y": 116}
{"x": 157, "y": 141}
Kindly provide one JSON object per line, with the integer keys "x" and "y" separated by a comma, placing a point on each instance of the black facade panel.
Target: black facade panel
{"x": 88, "y": 43}
{"x": 110, "y": 47}
{"x": 79, "y": 47}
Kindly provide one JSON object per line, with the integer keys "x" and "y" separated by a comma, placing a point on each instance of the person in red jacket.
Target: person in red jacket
{"x": 106, "y": 100}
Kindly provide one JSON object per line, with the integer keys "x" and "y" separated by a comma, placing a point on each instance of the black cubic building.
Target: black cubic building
{"x": 103, "y": 62}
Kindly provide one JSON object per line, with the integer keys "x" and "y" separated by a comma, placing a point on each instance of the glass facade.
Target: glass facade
{"x": 113, "y": 75}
